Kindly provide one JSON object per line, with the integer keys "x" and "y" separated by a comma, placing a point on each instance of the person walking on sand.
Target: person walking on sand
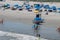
{"x": 37, "y": 19}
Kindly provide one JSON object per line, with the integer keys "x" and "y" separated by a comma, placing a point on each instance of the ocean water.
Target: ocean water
{"x": 16, "y": 27}
{"x": 21, "y": 28}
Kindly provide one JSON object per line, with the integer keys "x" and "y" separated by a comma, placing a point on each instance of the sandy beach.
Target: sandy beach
{"x": 27, "y": 17}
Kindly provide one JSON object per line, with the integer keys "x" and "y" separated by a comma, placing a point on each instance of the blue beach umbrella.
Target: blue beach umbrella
{"x": 46, "y": 6}
{"x": 16, "y": 5}
{"x": 37, "y": 6}
{"x": 54, "y": 7}
{"x": 20, "y": 8}
{"x": 58, "y": 8}
{"x": 28, "y": 7}
{"x": 6, "y": 5}
{"x": 50, "y": 9}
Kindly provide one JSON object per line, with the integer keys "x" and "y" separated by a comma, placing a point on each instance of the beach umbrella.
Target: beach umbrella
{"x": 58, "y": 9}
{"x": 46, "y": 6}
{"x": 15, "y": 6}
{"x": 49, "y": 8}
{"x": 6, "y": 6}
{"x": 54, "y": 7}
{"x": 37, "y": 6}
{"x": 28, "y": 7}
{"x": 20, "y": 8}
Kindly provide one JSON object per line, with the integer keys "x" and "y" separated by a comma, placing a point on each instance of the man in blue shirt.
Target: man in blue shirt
{"x": 37, "y": 19}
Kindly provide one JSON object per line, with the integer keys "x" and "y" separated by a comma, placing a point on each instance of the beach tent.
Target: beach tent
{"x": 6, "y": 6}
